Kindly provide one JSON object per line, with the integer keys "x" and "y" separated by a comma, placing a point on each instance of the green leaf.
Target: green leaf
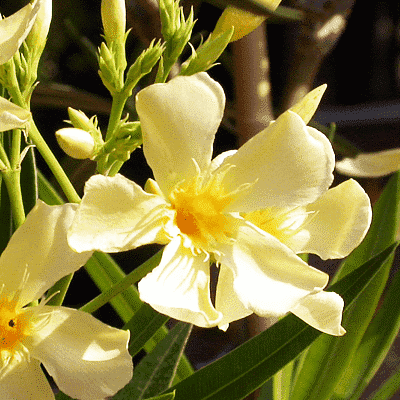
{"x": 143, "y": 325}
{"x": 374, "y": 346}
{"x": 168, "y": 396}
{"x": 157, "y": 369}
{"x": 246, "y": 368}
{"x": 326, "y": 363}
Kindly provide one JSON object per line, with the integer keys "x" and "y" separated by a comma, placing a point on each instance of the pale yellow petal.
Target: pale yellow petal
{"x": 39, "y": 250}
{"x": 180, "y": 286}
{"x": 269, "y": 279}
{"x": 87, "y": 358}
{"x": 307, "y": 106}
{"x": 117, "y": 215}
{"x": 26, "y": 381}
{"x": 226, "y": 300}
{"x": 288, "y": 163}
{"x": 372, "y": 165}
{"x": 323, "y": 311}
{"x": 15, "y": 28}
{"x": 337, "y": 222}
{"x": 179, "y": 120}
{"x": 12, "y": 116}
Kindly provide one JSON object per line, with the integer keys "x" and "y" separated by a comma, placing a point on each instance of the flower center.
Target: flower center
{"x": 12, "y": 325}
{"x": 199, "y": 207}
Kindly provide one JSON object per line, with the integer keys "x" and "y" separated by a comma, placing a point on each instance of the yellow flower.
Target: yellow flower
{"x": 15, "y": 28}
{"x": 87, "y": 358}
{"x": 372, "y": 165}
{"x": 206, "y": 210}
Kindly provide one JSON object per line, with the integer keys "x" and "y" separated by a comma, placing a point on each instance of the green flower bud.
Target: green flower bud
{"x": 77, "y": 143}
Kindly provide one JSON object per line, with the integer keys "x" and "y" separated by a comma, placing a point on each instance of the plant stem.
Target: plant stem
{"x": 118, "y": 104}
{"x": 53, "y": 163}
{"x": 12, "y": 180}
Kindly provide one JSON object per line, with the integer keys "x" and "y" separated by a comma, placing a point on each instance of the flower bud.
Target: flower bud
{"x": 113, "y": 15}
{"x": 12, "y": 116}
{"x": 38, "y": 35}
{"x": 77, "y": 143}
{"x": 243, "y": 21}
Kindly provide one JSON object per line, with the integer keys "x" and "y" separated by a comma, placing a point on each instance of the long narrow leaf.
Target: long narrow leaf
{"x": 247, "y": 367}
{"x": 143, "y": 325}
{"x": 375, "y": 344}
{"x": 157, "y": 369}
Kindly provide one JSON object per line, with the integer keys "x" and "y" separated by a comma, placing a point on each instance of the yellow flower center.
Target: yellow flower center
{"x": 13, "y": 325}
{"x": 199, "y": 206}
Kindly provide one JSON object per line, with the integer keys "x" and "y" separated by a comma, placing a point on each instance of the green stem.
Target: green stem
{"x": 117, "y": 108}
{"x": 12, "y": 181}
{"x": 53, "y": 163}
{"x": 4, "y": 161}
{"x": 122, "y": 285}
{"x": 16, "y": 149}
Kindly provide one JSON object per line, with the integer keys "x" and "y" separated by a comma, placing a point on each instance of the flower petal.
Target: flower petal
{"x": 180, "y": 286}
{"x": 117, "y": 215}
{"x": 39, "y": 247}
{"x": 87, "y": 358}
{"x": 323, "y": 311}
{"x": 226, "y": 300}
{"x": 179, "y": 120}
{"x": 11, "y": 115}
{"x": 15, "y": 28}
{"x": 269, "y": 278}
{"x": 338, "y": 222}
{"x": 374, "y": 165}
{"x": 26, "y": 381}
{"x": 289, "y": 163}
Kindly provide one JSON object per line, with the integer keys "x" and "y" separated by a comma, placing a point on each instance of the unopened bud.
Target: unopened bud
{"x": 113, "y": 14}
{"x": 77, "y": 143}
{"x": 38, "y": 35}
{"x": 243, "y": 21}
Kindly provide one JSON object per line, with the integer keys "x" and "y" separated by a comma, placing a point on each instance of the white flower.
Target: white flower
{"x": 202, "y": 209}
{"x": 15, "y": 28}
{"x": 374, "y": 165}
{"x": 87, "y": 358}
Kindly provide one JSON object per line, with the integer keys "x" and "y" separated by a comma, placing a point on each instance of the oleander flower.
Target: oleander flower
{"x": 371, "y": 165}
{"x": 15, "y": 28}
{"x": 250, "y": 211}
{"x": 87, "y": 358}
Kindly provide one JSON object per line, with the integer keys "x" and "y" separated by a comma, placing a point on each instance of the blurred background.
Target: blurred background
{"x": 353, "y": 46}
